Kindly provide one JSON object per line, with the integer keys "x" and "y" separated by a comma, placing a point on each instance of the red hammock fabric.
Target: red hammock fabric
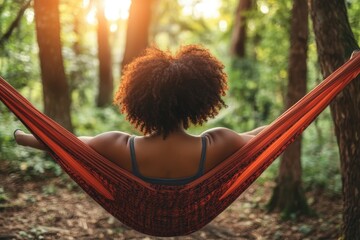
{"x": 175, "y": 210}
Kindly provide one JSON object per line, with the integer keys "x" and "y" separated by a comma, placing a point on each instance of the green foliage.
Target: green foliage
{"x": 7, "y": 126}
{"x": 28, "y": 162}
{"x": 91, "y": 121}
{"x": 18, "y": 55}
{"x": 50, "y": 189}
{"x": 250, "y": 106}
{"x": 3, "y": 195}
{"x": 33, "y": 233}
{"x": 354, "y": 13}
{"x": 320, "y": 156}
{"x": 80, "y": 55}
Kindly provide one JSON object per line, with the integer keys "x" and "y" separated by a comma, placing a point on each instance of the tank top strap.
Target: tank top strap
{"x": 134, "y": 165}
{"x": 201, "y": 170}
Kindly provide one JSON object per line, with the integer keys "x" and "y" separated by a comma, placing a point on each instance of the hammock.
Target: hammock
{"x": 161, "y": 210}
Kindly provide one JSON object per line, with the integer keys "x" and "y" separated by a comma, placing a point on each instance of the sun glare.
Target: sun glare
{"x": 114, "y": 10}
{"x": 119, "y": 10}
{"x": 201, "y": 8}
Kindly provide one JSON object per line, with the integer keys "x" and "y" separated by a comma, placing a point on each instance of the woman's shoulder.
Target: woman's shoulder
{"x": 112, "y": 137}
{"x": 222, "y": 143}
{"x": 225, "y": 138}
{"x": 112, "y": 145}
{"x": 221, "y": 134}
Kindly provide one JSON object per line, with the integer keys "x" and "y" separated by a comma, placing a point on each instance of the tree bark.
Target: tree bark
{"x": 335, "y": 43}
{"x": 288, "y": 195}
{"x": 238, "y": 39}
{"x": 137, "y": 30}
{"x": 55, "y": 86}
{"x": 104, "y": 97}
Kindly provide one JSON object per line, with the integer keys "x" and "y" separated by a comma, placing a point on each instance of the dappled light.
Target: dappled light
{"x": 264, "y": 8}
{"x": 114, "y": 10}
{"x": 202, "y": 8}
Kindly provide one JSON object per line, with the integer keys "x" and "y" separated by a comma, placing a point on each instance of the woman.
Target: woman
{"x": 161, "y": 95}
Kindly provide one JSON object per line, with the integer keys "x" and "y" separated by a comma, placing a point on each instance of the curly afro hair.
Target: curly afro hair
{"x": 159, "y": 91}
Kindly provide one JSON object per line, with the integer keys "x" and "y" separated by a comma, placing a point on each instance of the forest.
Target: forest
{"x": 66, "y": 57}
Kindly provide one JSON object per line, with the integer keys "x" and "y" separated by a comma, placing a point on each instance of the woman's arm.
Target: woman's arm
{"x": 255, "y": 131}
{"x": 28, "y": 140}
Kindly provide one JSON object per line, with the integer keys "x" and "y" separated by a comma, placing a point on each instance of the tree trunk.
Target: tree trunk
{"x": 335, "y": 42}
{"x": 55, "y": 87}
{"x": 137, "y": 30}
{"x": 238, "y": 39}
{"x": 288, "y": 195}
{"x": 104, "y": 97}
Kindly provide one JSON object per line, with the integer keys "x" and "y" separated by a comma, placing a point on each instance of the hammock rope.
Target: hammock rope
{"x": 161, "y": 210}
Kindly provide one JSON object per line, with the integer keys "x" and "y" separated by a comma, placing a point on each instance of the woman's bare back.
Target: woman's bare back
{"x": 176, "y": 156}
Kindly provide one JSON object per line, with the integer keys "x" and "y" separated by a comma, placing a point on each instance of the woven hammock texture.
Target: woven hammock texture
{"x": 161, "y": 210}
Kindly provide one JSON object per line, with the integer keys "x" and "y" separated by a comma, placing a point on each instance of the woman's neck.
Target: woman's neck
{"x": 177, "y": 132}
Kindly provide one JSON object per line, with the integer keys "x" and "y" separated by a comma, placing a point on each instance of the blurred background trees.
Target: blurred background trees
{"x": 106, "y": 84}
{"x": 288, "y": 195}
{"x": 66, "y": 58}
{"x": 54, "y": 83}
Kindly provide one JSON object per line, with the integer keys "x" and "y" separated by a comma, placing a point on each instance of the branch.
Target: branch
{"x": 15, "y": 23}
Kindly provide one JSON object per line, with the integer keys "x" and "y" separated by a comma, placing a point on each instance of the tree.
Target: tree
{"x": 137, "y": 30}
{"x": 104, "y": 54}
{"x": 55, "y": 87}
{"x": 288, "y": 195}
{"x": 335, "y": 42}
{"x": 239, "y": 32}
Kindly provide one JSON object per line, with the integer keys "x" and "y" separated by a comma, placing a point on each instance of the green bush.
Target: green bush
{"x": 26, "y": 161}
